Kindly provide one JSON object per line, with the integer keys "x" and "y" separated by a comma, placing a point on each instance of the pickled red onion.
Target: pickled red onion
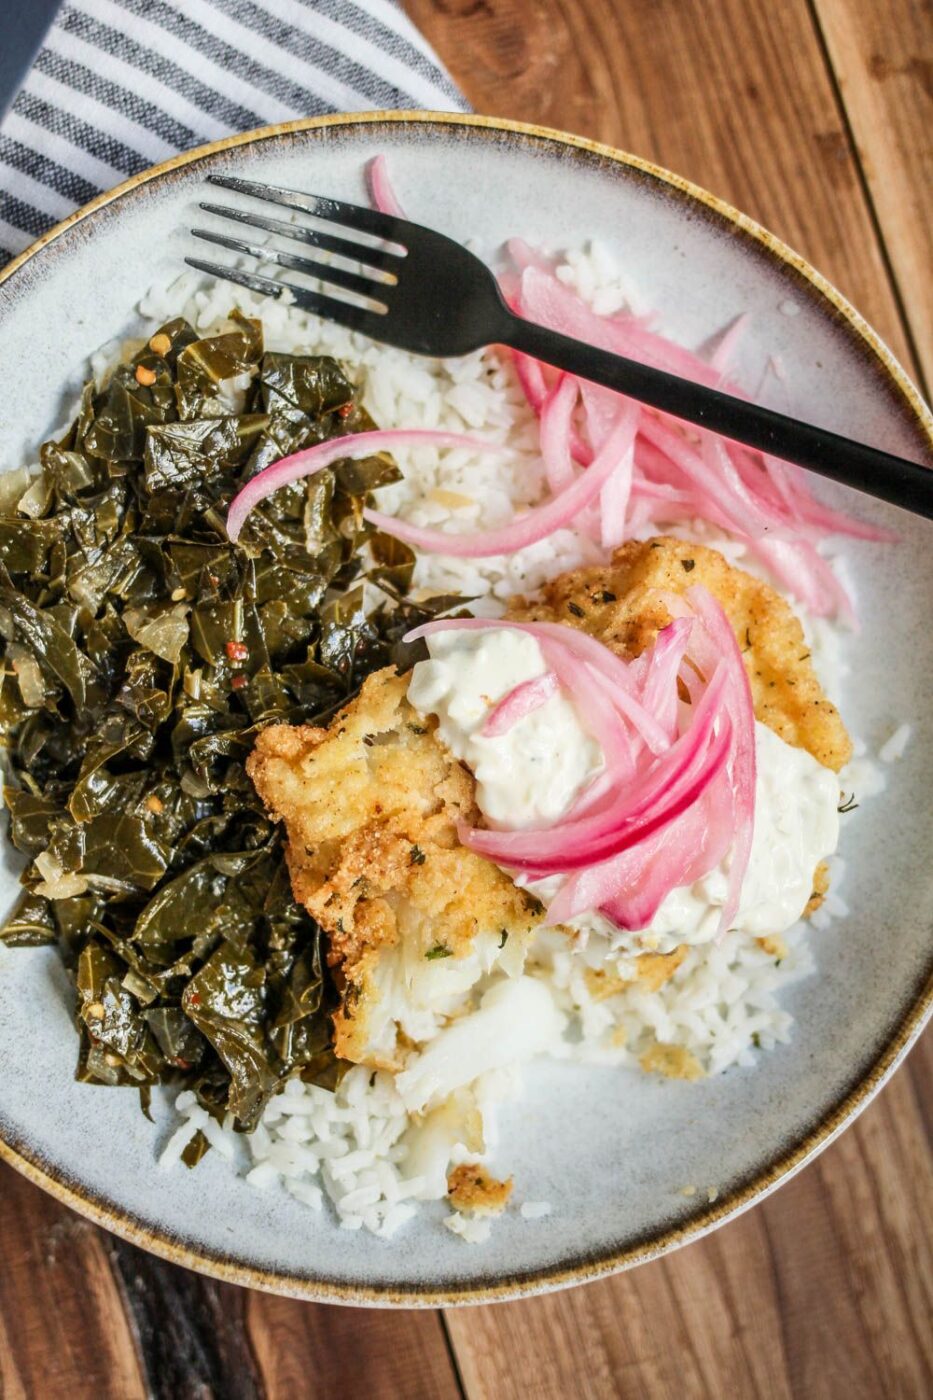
{"x": 668, "y": 785}
{"x": 661, "y": 665}
{"x": 556, "y": 422}
{"x": 721, "y": 358}
{"x": 670, "y": 809}
{"x": 521, "y": 700}
{"x": 663, "y": 476}
{"x": 641, "y": 878}
{"x": 380, "y": 187}
{"x": 536, "y": 524}
{"x": 614, "y": 497}
{"x": 714, "y": 644}
{"x": 753, "y": 496}
{"x": 313, "y": 459}
{"x": 531, "y": 377}
{"x": 523, "y": 255}
{"x": 545, "y": 299}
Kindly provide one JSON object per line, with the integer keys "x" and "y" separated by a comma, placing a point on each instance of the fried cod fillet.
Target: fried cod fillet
{"x": 622, "y": 605}
{"x": 371, "y": 806}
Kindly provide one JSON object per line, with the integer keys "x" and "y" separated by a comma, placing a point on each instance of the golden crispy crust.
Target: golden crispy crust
{"x": 622, "y": 605}
{"x": 820, "y": 889}
{"x": 371, "y": 806}
{"x": 470, "y": 1187}
{"x": 673, "y": 1061}
{"x": 652, "y": 970}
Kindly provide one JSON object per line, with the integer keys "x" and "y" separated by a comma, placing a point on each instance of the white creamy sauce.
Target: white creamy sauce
{"x": 530, "y": 775}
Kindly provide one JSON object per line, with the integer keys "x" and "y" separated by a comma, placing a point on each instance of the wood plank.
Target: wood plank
{"x": 63, "y": 1328}
{"x": 190, "y": 1329}
{"x": 824, "y": 1291}
{"x": 882, "y": 56}
{"x": 734, "y": 96}
{"x": 315, "y": 1352}
{"x": 85, "y": 1314}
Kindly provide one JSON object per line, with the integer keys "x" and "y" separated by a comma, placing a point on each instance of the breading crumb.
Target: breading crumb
{"x": 673, "y": 1061}
{"x": 471, "y": 1187}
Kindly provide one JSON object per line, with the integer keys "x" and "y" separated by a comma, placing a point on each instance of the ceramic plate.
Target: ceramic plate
{"x": 610, "y": 1150}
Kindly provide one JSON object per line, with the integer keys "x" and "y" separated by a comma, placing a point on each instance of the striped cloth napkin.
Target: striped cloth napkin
{"x": 121, "y": 84}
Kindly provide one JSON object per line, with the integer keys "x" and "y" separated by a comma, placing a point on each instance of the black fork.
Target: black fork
{"x": 426, "y": 293}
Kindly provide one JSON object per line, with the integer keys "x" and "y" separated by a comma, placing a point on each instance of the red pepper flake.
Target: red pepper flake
{"x": 194, "y": 998}
{"x": 237, "y": 651}
{"x": 345, "y": 410}
{"x": 239, "y": 680}
{"x": 179, "y": 1063}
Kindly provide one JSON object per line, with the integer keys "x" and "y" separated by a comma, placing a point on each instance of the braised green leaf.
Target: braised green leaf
{"x": 142, "y": 654}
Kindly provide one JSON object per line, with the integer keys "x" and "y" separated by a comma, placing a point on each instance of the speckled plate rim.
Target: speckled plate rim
{"x": 866, "y": 1084}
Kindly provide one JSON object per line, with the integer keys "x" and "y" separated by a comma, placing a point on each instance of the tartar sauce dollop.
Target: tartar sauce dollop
{"x": 530, "y": 775}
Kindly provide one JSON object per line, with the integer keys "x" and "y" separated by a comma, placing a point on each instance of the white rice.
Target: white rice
{"x": 534, "y": 1210}
{"x": 896, "y": 745}
{"x": 356, "y": 1146}
{"x": 472, "y": 1229}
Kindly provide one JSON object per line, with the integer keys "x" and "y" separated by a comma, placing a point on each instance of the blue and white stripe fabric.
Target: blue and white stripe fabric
{"x": 121, "y": 84}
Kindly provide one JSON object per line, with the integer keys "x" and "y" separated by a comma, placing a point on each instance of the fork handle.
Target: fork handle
{"x": 903, "y": 483}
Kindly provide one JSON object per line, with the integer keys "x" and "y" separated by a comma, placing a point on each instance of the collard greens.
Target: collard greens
{"x": 142, "y": 652}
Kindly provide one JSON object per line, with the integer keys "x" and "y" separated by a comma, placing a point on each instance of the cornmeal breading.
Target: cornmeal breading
{"x": 371, "y": 806}
{"x": 820, "y": 888}
{"x": 652, "y": 970}
{"x": 622, "y": 605}
{"x": 470, "y": 1187}
{"x": 673, "y": 1061}
{"x": 774, "y": 944}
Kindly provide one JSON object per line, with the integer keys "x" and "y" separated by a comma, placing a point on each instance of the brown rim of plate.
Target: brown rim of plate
{"x": 867, "y": 1082}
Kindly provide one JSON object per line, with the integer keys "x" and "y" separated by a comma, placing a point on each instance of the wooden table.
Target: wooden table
{"x": 814, "y": 116}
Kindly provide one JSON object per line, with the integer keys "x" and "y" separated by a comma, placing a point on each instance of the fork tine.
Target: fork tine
{"x": 353, "y": 216}
{"x": 354, "y": 318}
{"x": 380, "y": 258}
{"x": 336, "y": 276}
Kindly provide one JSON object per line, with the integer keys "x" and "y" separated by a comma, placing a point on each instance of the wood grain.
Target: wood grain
{"x": 314, "y": 1351}
{"x": 90, "y": 1317}
{"x": 189, "y": 1330}
{"x": 824, "y": 1292}
{"x": 883, "y": 56}
{"x": 736, "y": 96}
{"x": 63, "y": 1325}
